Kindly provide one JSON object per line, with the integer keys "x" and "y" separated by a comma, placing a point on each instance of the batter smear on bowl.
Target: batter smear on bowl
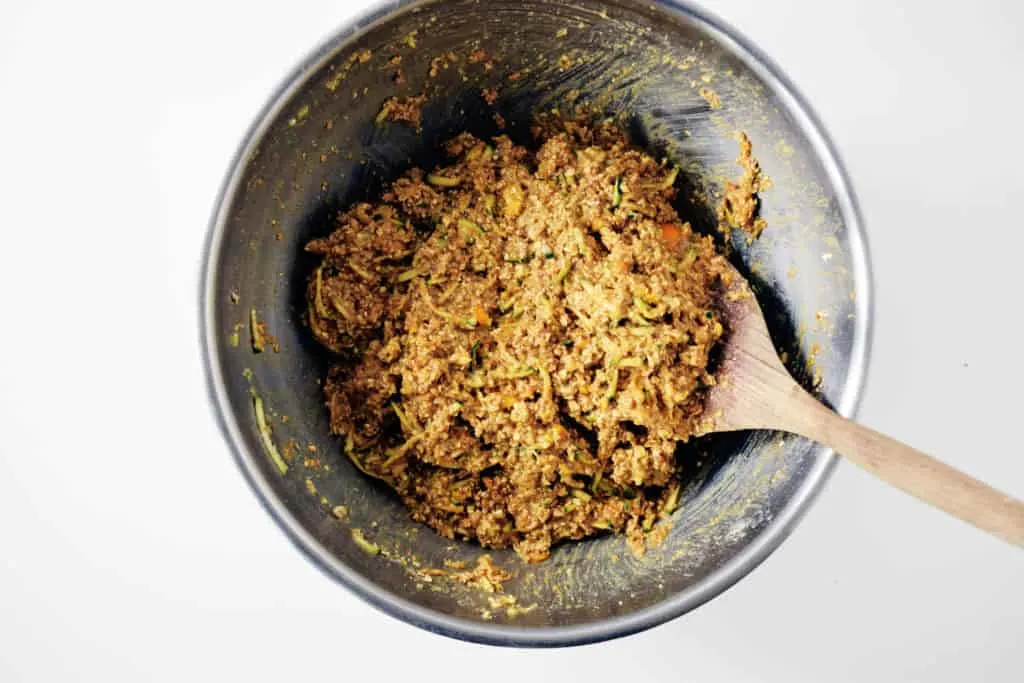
{"x": 522, "y": 337}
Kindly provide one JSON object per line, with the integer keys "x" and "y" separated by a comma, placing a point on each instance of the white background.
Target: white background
{"x": 130, "y": 548}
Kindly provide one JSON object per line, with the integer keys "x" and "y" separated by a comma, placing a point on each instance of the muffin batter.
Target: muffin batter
{"x": 522, "y": 337}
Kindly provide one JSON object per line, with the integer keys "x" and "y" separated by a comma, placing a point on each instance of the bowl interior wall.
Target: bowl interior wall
{"x": 321, "y": 151}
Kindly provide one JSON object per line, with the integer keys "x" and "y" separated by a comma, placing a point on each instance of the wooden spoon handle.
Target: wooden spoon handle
{"x": 920, "y": 475}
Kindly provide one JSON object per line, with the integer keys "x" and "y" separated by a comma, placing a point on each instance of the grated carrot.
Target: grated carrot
{"x": 671, "y": 235}
{"x": 481, "y": 316}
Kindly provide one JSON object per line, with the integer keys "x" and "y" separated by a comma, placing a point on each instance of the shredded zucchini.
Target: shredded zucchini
{"x": 545, "y": 378}
{"x": 265, "y": 435}
{"x": 670, "y": 179}
{"x": 517, "y": 372}
{"x": 340, "y": 308}
{"x": 354, "y": 457}
{"x": 474, "y": 355}
{"x": 482, "y": 151}
{"x": 256, "y": 335}
{"x": 396, "y": 454}
{"x": 617, "y": 193}
{"x": 613, "y": 381}
{"x": 564, "y": 272}
{"x": 648, "y": 311}
{"x": 318, "y": 301}
{"x": 409, "y": 424}
{"x": 365, "y": 545}
{"x": 671, "y": 501}
{"x": 361, "y": 272}
{"x": 464, "y": 323}
{"x": 443, "y": 181}
{"x": 468, "y": 226}
{"x": 665, "y": 183}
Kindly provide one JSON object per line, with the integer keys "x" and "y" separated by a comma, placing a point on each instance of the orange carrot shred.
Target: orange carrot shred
{"x": 671, "y": 235}
{"x": 482, "y": 319}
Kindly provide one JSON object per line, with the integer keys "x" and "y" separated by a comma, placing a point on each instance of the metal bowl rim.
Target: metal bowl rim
{"x": 549, "y": 636}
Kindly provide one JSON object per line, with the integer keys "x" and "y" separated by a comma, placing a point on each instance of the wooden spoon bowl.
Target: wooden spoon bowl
{"x": 755, "y": 391}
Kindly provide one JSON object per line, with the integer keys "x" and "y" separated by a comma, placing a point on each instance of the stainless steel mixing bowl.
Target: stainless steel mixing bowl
{"x": 315, "y": 148}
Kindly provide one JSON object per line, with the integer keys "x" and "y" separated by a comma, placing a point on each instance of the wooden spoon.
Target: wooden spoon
{"x": 754, "y": 391}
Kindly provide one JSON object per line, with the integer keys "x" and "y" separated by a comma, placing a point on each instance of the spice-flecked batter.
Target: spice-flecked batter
{"x": 522, "y": 337}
